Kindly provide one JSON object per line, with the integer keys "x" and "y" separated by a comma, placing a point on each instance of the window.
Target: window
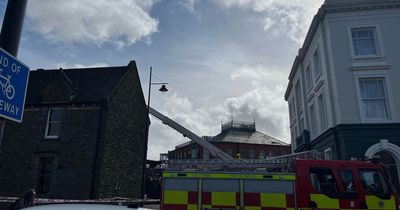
{"x": 298, "y": 94}
{"x": 313, "y": 121}
{"x": 292, "y": 108}
{"x": 323, "y": 180}
{"x": 347, "y": 180}
{"x": 308, "y": 79}
{"x": 46, "y": 170}
{"x": 364, "y": 41}
{"x": 373, "y": 182}
{"x": 228, "y": 151}
{"x": 194, "y": 153}
{"x": 301, "y": 126}
{"x": 252, "y": 154}
{"x": 244, "y": 153}
{"x": 292, "y": 135}
{"x": 270, "y": 154}
{"x": 261, "y": 155}
{"x": 53, "y": 123}
{"x": 328, "y": 154}
{"x": 317, "y": 64}
{"x": 290, "y": 111}
{"x": 322, "y": 113}
{"x": 373, "y": 98}
{"x": 206, "y": 154}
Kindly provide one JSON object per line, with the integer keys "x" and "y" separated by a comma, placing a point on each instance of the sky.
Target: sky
{"x": 223, "y": 59}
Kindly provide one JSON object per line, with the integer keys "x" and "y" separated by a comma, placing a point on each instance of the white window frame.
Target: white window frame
{"x": 298, "y": 97}
{"x": 378, "y": 42}
{"x": 318, "y": 74}
{"x": 330, "y": 151}
{"x": 370, "y": 74}
{"x": 293, "y": 108}
{"x": 292, "y": 134}
{"x": 313, "y": 130}
{"x": 319, "y": 117}
{"x": 301, "y": 125}
{"x": 290, "y": 111}
{"x": 48, "y": 123}
{"x": 309, "y": 80}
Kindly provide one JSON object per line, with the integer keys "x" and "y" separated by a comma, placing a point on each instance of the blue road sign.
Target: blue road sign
{"x": 13, "y": 83}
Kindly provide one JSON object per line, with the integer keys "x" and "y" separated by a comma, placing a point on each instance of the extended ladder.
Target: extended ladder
{"x": 187, "y": 133}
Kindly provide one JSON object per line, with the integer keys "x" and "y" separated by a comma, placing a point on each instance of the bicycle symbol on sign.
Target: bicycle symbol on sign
{"x": 6, "y": 87}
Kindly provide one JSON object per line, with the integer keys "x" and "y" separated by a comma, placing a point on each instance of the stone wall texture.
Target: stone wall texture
{"x": 99, "y": 152}
{"x": 120, "y": 162}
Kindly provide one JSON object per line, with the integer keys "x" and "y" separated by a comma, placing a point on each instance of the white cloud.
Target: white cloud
{"x": 265, "y": 104}
{"x": 181, "y": 110}
{"x": 249, "y": 72}
{"x": 258, "y": 94}
{"x": 189, "y": 4}
{"x": 117, "y": 22}
{"x": 77, "y": 65}
{"x": 290, "y": 18}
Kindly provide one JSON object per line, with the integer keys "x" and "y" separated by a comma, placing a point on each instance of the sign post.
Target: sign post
{"x": 10, "y": 36}
{"x": 14, "y": 77}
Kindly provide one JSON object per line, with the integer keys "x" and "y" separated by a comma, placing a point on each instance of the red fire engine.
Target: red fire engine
{"x": 224, "y": 183}
{"x": 316, "y": 185}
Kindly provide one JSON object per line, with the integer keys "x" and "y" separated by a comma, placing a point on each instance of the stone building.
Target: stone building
{"x": 82, "y": 135}
{"x": 343, "y": 92}
{"x": 235, "y": 138}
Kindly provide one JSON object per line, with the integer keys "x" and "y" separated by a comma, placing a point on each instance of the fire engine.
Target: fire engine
{"x": 315, "y": 184}
{"x": 291, "y": 182}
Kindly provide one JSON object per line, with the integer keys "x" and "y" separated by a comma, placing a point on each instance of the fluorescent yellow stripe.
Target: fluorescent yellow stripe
{"x": 231, "y": 176}
{"x": 324, "y": 201}
{"x": 206, "y": 207}
{"x": 273, "y": 200}
{"x": 175, "y": 197}
{"x": 191, "y": 207}
{"x": 374, "y": 202}
{"x": 223, "y": 198}
{"x": 252, "y": 208}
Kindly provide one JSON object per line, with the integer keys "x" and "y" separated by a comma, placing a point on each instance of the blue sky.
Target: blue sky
{"x": 222, "y": 58}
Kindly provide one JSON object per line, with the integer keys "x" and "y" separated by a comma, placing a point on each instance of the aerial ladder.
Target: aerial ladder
{"x": 224, "y": 161}
{"x": 192, "y": 136}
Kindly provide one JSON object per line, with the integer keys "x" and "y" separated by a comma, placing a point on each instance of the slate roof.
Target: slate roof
{"x": 92, "y": 84}
{"x": 246, "y": 137}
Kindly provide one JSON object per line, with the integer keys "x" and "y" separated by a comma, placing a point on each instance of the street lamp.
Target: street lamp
{"x": 163, "y": 88}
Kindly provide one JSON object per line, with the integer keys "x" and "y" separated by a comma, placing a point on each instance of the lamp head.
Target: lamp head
{"x": 163, "y": 88}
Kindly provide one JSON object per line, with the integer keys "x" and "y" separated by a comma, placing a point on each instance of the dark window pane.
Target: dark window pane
{"x": 53, "y": 129}
{"x": 373, "y": 182}
{"x": 323, "y": 180}
{"x": 46, "y": 170}
{"x": 347, "y": 180}
{"x": 55, "y": 115}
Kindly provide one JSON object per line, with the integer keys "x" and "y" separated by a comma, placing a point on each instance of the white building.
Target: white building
{"x": 344, "y": 86}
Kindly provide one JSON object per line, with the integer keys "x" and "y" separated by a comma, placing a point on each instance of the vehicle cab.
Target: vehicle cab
{"x": 333, "y": 184}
